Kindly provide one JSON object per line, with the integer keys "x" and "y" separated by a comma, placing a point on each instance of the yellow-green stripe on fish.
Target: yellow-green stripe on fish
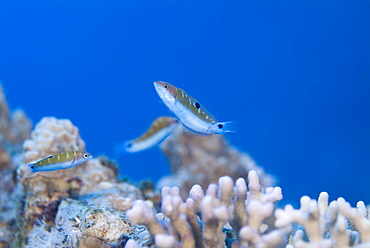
{"x": 60, "y": 161}
{"x": 193, "y": 115}
{"x": 160, "y": 129}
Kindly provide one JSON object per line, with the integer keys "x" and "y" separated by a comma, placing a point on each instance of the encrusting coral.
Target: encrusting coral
{"x": 191, "y": 158}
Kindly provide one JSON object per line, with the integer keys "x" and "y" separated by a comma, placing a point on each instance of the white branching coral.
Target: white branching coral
{"x": 326, "y": 225}
{"x": 215, "y": 218}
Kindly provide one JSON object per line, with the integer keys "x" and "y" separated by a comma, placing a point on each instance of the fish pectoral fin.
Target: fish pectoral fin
{"x": 192, "y": 132}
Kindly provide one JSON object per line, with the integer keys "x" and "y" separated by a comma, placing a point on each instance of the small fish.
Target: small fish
{"x": 60, "y": 161}
{"x": 194, "y": 117}
{"x": 160, "y": 129}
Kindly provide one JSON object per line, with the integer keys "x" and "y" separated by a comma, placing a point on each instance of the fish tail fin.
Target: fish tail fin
{"x": 121, "y": 148}
{"x": 227, "y": 127}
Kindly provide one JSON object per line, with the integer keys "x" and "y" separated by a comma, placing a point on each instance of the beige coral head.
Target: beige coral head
{"x": 52, "y": 136}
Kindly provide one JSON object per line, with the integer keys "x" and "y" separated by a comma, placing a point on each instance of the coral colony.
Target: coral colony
{"x": 232, "y": 205}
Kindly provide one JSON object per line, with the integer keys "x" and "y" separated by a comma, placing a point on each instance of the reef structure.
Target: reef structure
{"x": 88, "y": 206}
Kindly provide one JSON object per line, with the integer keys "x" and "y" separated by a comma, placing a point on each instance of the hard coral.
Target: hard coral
{"x": 94, "y": 181}
{"x": 215, "y": 219}
{"x": 52, "y": 136}
{"x": 191, "y": 158}
{"x": 326, "y": 225}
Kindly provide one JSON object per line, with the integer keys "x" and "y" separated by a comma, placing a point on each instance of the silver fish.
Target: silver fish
{"x": 194, "y": 117}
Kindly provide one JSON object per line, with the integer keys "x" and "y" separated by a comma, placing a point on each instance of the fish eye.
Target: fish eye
{"x": 165, "y": 86}
{"x": 197, "y": 105}
{"x": 129, "y": 145}
{"x": 220, "y": 126}
{"x": 86, "y": 155}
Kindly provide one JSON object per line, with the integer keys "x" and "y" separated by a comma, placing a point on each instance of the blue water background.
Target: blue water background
{"x": 295, "y": 75}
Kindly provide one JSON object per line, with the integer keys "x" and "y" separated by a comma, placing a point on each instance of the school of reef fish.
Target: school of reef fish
{"x": 55, "y": 194}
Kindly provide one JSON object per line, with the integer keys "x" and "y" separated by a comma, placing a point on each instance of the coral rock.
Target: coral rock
{"x": 94, "y": 181}
{"x": 52, "y": 136}
{"x": 15, "y": 127}
{"x": 81, "y": 225}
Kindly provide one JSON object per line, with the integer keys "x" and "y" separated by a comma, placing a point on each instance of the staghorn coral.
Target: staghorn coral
{"x": 15, "y": 127}
{"x": 215, "y": 218}
{"x": 94, "y": 181}
{"x": 192, "y": 156}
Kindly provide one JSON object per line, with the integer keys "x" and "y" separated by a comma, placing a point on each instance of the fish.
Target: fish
{"x": 158, "y": 131}
{"x": 193, "y": 115}
{"x": 60, "y": 161}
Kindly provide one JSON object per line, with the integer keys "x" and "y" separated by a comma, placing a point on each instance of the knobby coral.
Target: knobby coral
{"x": 326, "y": 225}
{"x": 226, "y": 214}
{"x": 234, "y": 215}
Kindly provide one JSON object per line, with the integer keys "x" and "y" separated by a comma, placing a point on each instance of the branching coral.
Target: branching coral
{"x": 213, "y": 219}
{"x": 239, "y": 216}
{"x": 192, "y": 156}
{"x": 326, "y": 225}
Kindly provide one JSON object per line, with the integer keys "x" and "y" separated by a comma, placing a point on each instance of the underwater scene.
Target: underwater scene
{"x": 136, "y": 123}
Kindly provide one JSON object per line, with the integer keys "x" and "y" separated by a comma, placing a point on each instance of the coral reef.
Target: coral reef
{"x": 191, "y": 158}
{"x": 87, "y": 206}
{"x": 94, "y": 181}
{"x": 15, "y": 127}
